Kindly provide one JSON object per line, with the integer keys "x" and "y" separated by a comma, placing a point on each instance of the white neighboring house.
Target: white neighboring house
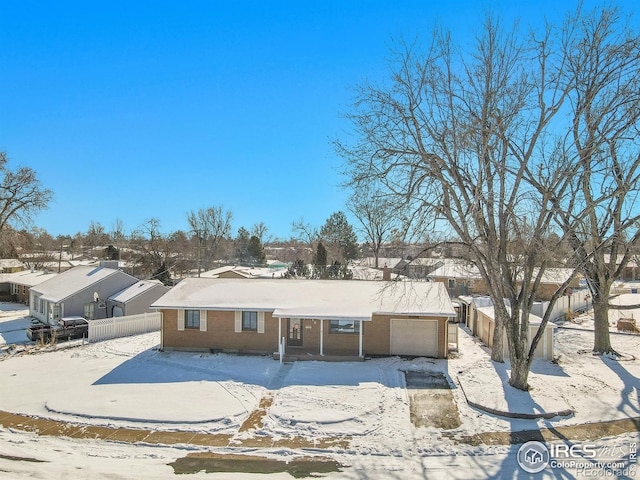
{"x": 135, "y": 299}
{"x": 79, "y": 291}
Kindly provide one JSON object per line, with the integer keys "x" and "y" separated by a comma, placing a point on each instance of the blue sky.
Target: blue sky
{"x": 134, "y": 110}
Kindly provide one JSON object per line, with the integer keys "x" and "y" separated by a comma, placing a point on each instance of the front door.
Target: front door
{"x": 294, "y": 339}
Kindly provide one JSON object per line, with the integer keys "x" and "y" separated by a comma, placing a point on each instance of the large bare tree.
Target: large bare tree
{"x": 601, "y": 218}
{"x": 208, "y": 227}
{"x": 457, "y": 134}
{"x": 21, "y": 194}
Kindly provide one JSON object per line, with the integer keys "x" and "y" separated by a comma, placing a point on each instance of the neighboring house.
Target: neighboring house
{"x": 463, "y": 278}
{"x": 460, "y": 278}
{"x": 631, "y": 270}
{"x": 481, "y": 321}
{"x": 18, "y": 285}
{"x": 10, "y": 265}
{"x": 239, "y": 271}
{"x": 135, "y": 299}
{"x": 79, "y": 291}
{"x": 314, "y": 317}
{"x": 388, "y": 262}
{"x": 417, "y": 268}
{"x": 553, "y": 278}
{"x": 228, "y": 271}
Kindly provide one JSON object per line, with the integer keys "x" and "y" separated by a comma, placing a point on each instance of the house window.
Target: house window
{"x": 192, "y": 319}
{"x": 452, "y": 283}
{"x": 90, "y": 311}
{"x": 344, "y": 326}
{"x": 57, "y": 311}
{"x": 249, "y": 321}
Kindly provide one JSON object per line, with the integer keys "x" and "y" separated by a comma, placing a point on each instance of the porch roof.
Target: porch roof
{"x": 326, "y": 299}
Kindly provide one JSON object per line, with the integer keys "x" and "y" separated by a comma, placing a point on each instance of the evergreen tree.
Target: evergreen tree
{"x": 340, "y": 235}
{"x": 242, "y": 245}
{"x": 163, "y": 275}
{"x": 255, "y": 251}
{"x": 111, "y": 253}
{"x": 298, "y": 269}
{"x": 320, "y": 260}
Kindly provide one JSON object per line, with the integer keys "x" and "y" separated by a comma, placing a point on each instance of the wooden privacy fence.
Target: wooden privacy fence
{"x": 116, "y": 327}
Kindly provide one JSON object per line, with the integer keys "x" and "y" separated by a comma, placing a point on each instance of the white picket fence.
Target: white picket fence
{"x": 116, "y": 327}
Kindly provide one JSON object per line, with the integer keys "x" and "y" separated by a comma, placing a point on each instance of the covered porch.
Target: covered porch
{"x": 303, "y": 336}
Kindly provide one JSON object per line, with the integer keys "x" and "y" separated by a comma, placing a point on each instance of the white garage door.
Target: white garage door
{"x": 414, "y": 337}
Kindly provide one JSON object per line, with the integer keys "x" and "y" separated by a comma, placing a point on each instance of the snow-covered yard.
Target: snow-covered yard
{"x": 130, "y": 383}
{"x": 14, "y": 321}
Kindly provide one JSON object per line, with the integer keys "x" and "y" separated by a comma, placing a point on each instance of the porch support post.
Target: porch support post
{"x": 280, "y": 349}
{"x": 279, "y": 329}
{"x": 360, "y": 340}
{"x": 321, "y": 336}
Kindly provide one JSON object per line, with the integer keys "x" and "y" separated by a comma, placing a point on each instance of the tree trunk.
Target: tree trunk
{"x": 519, "y": 373}
{"x": 602, "y": 339}
{"x": 498, "y": 338}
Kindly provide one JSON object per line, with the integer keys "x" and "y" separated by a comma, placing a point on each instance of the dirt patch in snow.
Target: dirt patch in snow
{"x": 431, "y": 401}
{"x": 255, "y": 420}
{"x": 232, "y": 463}
{"x": 43, "y": 426}
{"x": 583, "y": 432}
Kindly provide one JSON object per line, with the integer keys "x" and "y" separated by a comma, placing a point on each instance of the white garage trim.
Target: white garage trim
{"x": 409, "y": 336}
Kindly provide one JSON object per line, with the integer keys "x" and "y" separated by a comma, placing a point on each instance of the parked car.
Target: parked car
{"x": 67, "y": 328}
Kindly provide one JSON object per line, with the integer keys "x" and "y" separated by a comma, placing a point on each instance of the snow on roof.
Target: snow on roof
{"x": 390, "y": 262}
{"x": 27, "y": 277}
{"x": 533, "y": 319}
{"x": 246, "y": 272}
{"x": 10, "y": 263}
{"x": 556, "y": 275}
{"x": 241, "y": 271}
{"x": 129, "y": 293}
{"x": 455, "y": 269}
{"x": 328, "y": 299}
{"x": 72, "y": 281}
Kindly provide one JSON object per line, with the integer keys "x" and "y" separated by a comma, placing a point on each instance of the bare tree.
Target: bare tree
{"x": 600, "y": 218}
{"x": 95, "y": 236}
{"x": 305, "y": 232}
{"x": 21, "y": 194}
{"x": 260, "y": 230}
{"x": 457, "y": 135}
{"x": 379, "y": 218}
{"x": 209, "y": 226}
{"x": 152, "y": 248}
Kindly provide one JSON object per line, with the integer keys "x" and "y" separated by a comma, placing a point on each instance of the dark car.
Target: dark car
{"x": 69, "y": 328}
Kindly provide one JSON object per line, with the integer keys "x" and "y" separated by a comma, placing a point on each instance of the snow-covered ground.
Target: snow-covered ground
{"x": 14, "y": 320}
{"x": 130, "y": 383}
